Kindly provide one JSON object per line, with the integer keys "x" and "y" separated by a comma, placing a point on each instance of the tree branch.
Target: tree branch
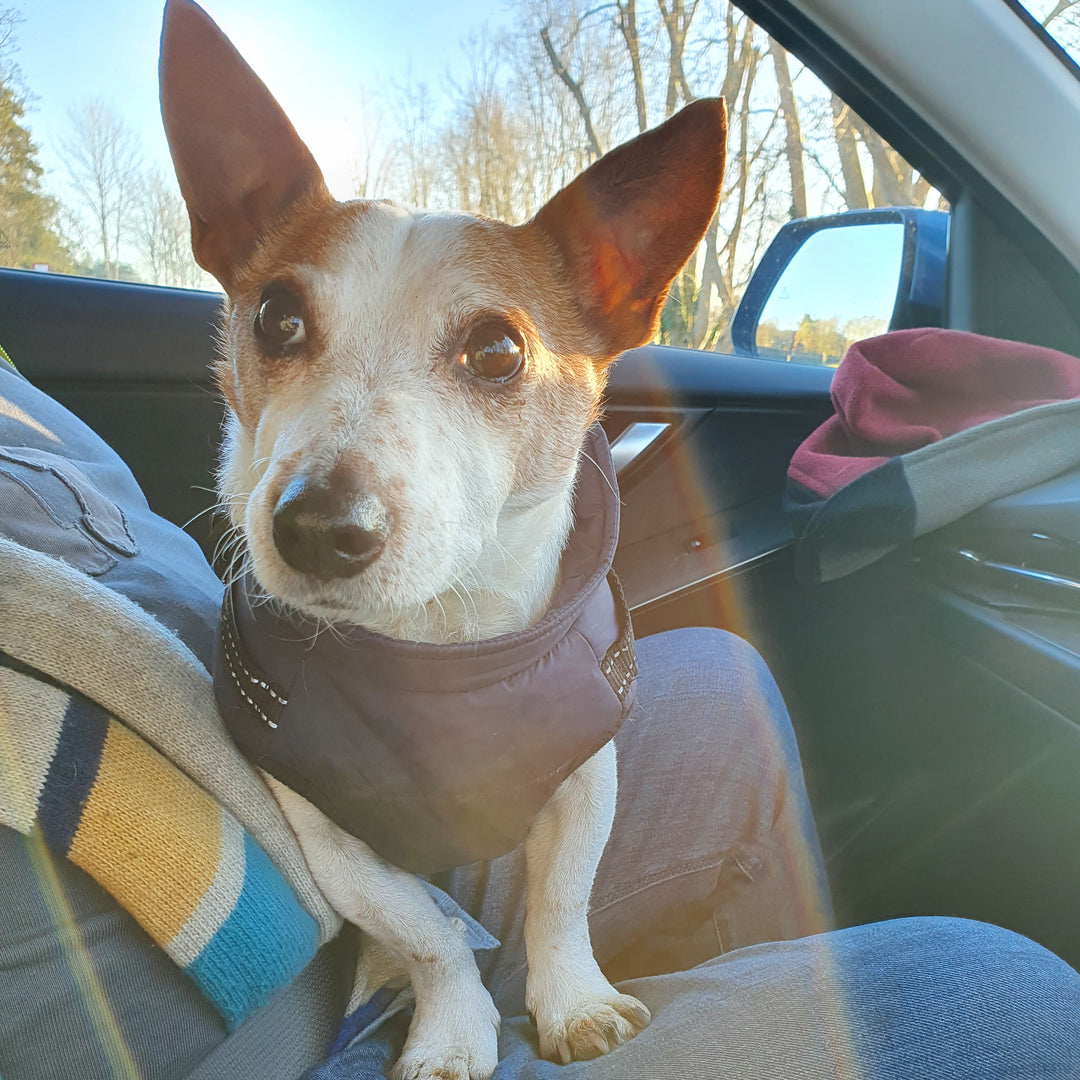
{"x": 559, "y": 67}
{"x": 1059, "y": 9}
{"x": 628, "y": 27}
{"x": 793, "y": 143}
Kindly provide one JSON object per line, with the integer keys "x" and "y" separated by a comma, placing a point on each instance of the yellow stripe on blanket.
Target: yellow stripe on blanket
{"x": 148, "y": 835}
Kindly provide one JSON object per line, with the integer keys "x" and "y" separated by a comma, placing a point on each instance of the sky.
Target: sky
{"x": 320, "y": 59}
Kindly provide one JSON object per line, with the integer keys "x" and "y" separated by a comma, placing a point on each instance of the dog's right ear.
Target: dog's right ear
{"x": 239, "y": 161}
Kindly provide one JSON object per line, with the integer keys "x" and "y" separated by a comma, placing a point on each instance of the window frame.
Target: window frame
{"x": 919, "y": 143}
{"x": 1044, "y": 35}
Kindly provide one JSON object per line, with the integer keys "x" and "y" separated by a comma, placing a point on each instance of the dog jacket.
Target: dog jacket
{"x": 438, "y": 755}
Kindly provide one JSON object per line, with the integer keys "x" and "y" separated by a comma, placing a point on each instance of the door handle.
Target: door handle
{"x": 633, "y": 442}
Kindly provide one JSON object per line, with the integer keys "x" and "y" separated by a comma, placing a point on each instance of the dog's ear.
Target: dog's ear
{"x": 628, "y": 223}
{"x": 239, "y": 161}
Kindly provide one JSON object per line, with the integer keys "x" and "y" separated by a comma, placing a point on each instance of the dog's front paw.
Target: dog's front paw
{"x": 588, "y": 1028}
{"x": 454, "y": 1040}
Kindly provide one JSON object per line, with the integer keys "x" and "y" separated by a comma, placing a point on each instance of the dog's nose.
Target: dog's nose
{"x": 331, "y": 534}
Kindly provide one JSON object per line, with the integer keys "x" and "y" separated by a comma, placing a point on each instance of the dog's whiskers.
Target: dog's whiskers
{"x": 508, "y": 554}
{"x": 590, "y": 459}
{"x": 202, "y": 513}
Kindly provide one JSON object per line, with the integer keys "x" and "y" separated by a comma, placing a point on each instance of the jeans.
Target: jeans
{"x": 711, "y": 906}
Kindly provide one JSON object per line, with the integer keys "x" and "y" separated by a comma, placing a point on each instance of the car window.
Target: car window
{"x": 475, "y": 111}
{"x": 1060, "y": 19}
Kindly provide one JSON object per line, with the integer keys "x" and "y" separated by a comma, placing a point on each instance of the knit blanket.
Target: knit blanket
{"x": 112, "y": 754}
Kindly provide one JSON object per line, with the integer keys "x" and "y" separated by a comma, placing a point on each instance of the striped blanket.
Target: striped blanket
{"x": 112, "y": 754}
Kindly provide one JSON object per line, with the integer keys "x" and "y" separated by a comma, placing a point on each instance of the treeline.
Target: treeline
{"x": 575, "y": 79}
{"x": 567, "y": 84}
{"x": 822, "y": 341}
{"x": 117, "y": 217}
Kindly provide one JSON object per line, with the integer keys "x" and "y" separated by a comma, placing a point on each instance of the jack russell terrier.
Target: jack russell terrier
{"x": 412, "y": 463}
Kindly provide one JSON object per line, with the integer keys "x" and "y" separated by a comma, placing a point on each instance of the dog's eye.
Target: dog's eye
{"x": 494, "y": 352}
{"x": 280, "y": 322}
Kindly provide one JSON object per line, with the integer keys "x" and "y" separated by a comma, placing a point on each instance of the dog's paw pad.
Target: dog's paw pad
{"x": 594, "y": 1029}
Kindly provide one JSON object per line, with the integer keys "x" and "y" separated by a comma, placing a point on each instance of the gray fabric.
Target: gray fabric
{"x": 909, "y": 999}
{"x": 170, "y": 577}
{"x": 48, "y": 504}
{"x": 61, "y": 992}
{"x": 945, "y": 480}
{"x": 974, "y": 467}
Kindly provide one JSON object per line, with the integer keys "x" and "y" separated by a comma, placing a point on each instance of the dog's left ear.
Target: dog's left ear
{"x": 628, "y": 223}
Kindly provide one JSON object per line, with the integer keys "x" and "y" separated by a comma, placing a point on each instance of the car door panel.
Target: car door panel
{"x": 707, "y": 500}
{"x": 939, "y": 719}
{"x": 133, "y": 362}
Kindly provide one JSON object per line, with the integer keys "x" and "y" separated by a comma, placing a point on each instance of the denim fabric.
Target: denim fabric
{"x": 149, "y": 560}
{"x": 709, "y": 904}
{"x": 713, "y": 845}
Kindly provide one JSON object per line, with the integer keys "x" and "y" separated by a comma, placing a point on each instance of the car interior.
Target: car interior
{"x": 936, "y": 693}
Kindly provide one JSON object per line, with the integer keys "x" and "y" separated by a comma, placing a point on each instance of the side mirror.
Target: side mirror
{"x": 826, "y": 282}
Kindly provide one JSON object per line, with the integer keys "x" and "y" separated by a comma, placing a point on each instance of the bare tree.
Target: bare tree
{"x": 375, "y": 160}
{"x": 629, "y": 30}
{"x": 677, "y": 16}
{"x": 895, "y": 182}
{"x": 575, "y": 86}
{"x": 793, "y": 146}
{"x": 102, "y": 159}
{"x": 1058, "y": 9}
{"x": 9, "y": 21}
{"x": 416, "y": 147}
{"x": 161, "y": 234}
{"x": 847, "y": 145}
{"x": 482, "y": 143}
{"x": 580, "y": 76}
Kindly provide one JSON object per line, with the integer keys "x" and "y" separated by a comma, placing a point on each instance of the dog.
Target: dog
{"x": 431, "y": 376}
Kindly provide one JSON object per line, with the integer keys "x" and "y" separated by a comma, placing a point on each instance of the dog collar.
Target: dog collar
{"x": 438, "y": 755}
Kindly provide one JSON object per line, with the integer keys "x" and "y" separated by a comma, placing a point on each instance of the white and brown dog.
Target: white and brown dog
{"x": 441, "y": 370}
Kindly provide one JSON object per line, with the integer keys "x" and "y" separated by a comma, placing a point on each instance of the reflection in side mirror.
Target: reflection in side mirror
{"x": 839, "y": 287}
{"x": 827, "y": 282}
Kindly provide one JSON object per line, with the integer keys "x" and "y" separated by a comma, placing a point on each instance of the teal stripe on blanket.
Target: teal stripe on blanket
{"x": 264, "y": 943}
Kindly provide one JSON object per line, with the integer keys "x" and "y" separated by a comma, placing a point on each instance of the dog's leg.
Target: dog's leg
{"x": 453, "y": 1035}
{"x": 578, "y": 1013}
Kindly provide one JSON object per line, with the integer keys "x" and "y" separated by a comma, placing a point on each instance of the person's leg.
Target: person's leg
{"x": 913, "y": 999}
{"x": 710, "y": 780}
{"x": 713, "y": 845}
{"x": 83, "y": 989}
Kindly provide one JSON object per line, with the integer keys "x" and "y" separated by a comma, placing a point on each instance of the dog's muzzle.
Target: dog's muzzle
{"x": 328, "y": 533}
